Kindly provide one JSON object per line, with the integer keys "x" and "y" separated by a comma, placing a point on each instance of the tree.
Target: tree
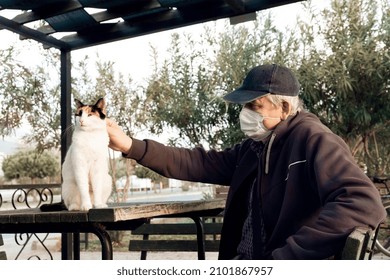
{"x": 143, "y": 172}
{"x": 14, "y": 91}
{"x": 44, "y": 114}
{"x": 31, "y": 164}
{"x": 30, "y": 95}
{"x": 185, "y": 93}
{"x": 345, "y": 78}
{"x": 178, "y": 93}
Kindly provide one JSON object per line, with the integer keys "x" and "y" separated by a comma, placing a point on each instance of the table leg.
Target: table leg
{"x": 66, "y": 246}
{"x": 200, "y": 238}
{"x": 105, "y": 241}
{"x": 76, "y": 245}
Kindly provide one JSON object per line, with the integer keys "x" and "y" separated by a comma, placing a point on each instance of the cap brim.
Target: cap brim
{"x": 242, "y": 96}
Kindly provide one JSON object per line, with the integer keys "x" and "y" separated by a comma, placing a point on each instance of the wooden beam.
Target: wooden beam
{"x": 242, "y": 18}
{"x": 27, "y": 32}
{"x": 237, "y": 5}
{"x": 66, "y": 103}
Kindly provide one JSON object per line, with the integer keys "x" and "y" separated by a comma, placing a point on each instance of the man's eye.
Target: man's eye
{"x": 253, "y": 107}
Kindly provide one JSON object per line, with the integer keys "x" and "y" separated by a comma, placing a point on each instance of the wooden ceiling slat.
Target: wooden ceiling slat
{"x": 116, "y": 4}
{"x": 47, "y": 11}
{"x": 184, "y": 3}
{"x": 72, "y": 21}
{"x": 27, "y": 4}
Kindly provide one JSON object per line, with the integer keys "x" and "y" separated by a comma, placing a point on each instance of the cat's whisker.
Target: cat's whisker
{"x": 67, "y": 130}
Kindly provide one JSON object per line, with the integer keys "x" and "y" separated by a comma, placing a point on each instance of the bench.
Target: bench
{"x": 221, "y": 192}
{"x": 177, "y": 236}
{"x": 360, "y": 244}
{"x": 3, "y": 255}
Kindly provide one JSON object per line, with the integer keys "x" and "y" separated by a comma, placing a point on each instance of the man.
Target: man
{"x": 295, "y": 189}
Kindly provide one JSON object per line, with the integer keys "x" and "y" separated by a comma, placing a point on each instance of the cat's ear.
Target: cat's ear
{"x": 79, "y": 104}
{"x": 101, "y": 104}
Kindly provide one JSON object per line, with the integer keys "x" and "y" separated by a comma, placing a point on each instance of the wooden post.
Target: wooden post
{"x": 66, "y": 113}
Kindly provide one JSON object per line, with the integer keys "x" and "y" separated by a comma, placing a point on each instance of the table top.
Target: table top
{"x": 115, "y": 212}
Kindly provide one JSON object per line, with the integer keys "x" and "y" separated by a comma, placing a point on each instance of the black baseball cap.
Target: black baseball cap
{"x": 263, "y": 80}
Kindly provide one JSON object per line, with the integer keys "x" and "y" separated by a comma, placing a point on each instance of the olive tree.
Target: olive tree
{"x": 345, "y": 74}
{"x": 185, "y": 93}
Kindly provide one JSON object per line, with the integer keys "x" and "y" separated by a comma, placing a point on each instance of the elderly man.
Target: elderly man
{"x": 295, "y": 189}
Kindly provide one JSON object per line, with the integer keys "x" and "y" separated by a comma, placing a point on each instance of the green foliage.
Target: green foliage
{"x": 122, "y": 96}
{"x": 143, "y": 172}
{"x": 345, "y": 80}
{"x": 31, "y": 164}
{"x": 179, "y": 92}
{"x": 44, "y": 115}
{"x": 185, "y": 93}
{"x": 15, "y": 91}
{"x": 30, "y": 95}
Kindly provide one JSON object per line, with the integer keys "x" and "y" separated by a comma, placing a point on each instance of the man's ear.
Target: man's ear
{"x": 286, "y": 110}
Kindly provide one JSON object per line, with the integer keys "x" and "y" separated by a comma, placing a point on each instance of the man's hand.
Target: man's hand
{"x": 119, "y": 141}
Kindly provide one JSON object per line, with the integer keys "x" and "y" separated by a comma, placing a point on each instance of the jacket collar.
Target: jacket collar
{"x": 280, "y": 131}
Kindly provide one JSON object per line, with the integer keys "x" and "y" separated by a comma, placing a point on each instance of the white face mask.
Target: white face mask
{"x": 252, "y": 125}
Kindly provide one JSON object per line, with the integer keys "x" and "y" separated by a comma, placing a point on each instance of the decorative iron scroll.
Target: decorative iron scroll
{"x": 29, "y": 239}
{"x": 29, "y": 196}
{"x": 32, "y": 198}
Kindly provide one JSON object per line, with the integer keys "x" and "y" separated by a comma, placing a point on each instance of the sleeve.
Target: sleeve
{"x": 195, "y": 164}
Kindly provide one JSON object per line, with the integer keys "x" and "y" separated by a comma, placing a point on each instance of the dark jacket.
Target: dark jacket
{"x": 312, "y": 192}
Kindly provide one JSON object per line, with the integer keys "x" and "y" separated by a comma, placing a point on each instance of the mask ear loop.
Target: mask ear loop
{"x": 271, "y": 118}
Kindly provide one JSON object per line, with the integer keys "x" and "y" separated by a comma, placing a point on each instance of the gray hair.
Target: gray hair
{"x": 294, "y": 101}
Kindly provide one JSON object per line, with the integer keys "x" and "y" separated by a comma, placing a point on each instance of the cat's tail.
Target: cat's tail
{"x": 59, "y": 206}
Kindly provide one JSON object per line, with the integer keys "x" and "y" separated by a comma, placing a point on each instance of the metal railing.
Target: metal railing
{"x": 25, "y": 196}
{"x": 28, "y": 196}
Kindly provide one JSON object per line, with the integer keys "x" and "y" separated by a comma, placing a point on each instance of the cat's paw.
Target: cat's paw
{"x": 85, "y": 207}
{"x": 102, "y": 205}
{"x": 73, "y": 207}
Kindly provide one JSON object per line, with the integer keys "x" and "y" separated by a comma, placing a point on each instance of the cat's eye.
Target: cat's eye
{"x": 89, "y": 115}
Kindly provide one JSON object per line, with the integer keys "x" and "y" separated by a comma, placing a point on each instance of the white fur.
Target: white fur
{"x": 86, "y": 181}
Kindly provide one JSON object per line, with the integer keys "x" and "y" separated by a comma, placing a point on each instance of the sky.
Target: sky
{"x": 132, "y": 56}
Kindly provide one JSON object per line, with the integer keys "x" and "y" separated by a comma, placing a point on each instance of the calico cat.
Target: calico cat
{"x": 86, "y": 181}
